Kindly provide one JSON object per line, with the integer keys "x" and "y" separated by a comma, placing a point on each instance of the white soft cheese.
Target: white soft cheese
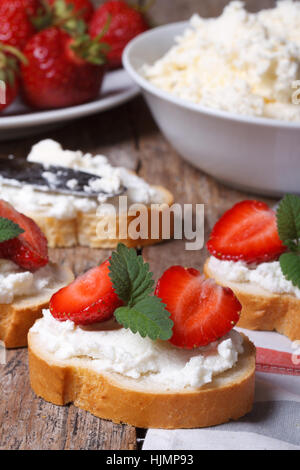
{"x": 239, "y": 62}
{"x": 266, "y": 275}
{"x": 16, "y": 282}
{"x": 128, "y": 354}
{"x": 48, "y": 152}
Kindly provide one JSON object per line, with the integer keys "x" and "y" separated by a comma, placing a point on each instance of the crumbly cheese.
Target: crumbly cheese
{"x": 240, "y": 62}
{"x": 16, "y": 282}
{"x": 48, "y": 152}
{"x": 155, "y": 362}
{"x": 266, "y": 275}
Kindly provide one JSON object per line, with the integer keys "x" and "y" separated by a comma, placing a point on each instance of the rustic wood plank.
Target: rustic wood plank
{"x": 29, "y": 423}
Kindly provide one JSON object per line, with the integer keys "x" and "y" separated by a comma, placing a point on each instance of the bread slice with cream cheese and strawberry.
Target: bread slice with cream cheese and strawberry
{"x": 27, "y": 278}
{"x": 168, "y": 360}
{"x": 69, "y": 220}
{"x": 254, "y": 251}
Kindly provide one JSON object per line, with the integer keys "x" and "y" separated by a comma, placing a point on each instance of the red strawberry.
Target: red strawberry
{"x": 61, "y": 71}
{"x": 247, "y": 232}
{"x": 89, "y": 299}
{"x": 15, "y": 25}
{"x": 30, "y": 249}
{"x": 125, "y": 23}
{"x": 83, "y": 8}
{"x": 201, "y": 310}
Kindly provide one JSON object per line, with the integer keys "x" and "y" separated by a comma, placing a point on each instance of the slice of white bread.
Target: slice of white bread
{"x": 262, "y": 309}
{"x": 82, "y": 230}
{"x": 124, "y": 400}
{"x": 18, "y": 317}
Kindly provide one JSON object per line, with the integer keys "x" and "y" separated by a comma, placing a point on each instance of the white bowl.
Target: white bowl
{"x": 254, "y": 154}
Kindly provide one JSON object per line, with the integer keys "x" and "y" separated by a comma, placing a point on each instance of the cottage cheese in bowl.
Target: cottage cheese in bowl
{"x": 123, "y": 352}
{"x": 241, "y": 62}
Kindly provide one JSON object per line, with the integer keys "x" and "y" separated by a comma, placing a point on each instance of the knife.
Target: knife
{"x": 55, "y": 179}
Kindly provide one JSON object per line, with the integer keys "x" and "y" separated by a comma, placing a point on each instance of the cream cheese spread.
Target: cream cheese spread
{"x": 16, "y": 282}
{"x": 266, "y": 275}
{"x": 48, "y": 152}
{"x": 240, "y": 62}
{"x": 123, "y": 352}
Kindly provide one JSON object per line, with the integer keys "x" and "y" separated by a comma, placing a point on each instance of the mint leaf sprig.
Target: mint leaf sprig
{"x": 288, "y": 225}
{"x": 9, "y": 229}
{"x": 143, "y": 312}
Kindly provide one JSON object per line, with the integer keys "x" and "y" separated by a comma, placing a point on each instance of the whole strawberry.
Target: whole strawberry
{"x": 125, "y": 23}
{"x": 61, "y": 71}
{"x": 83, "y": 8}
{"x": 15, "y": 24}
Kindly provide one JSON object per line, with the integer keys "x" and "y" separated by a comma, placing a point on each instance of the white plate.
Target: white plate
{"x": 18, "y": 120}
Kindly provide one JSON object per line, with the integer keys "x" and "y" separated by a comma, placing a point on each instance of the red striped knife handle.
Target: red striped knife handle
{"x": 277, "y": 362}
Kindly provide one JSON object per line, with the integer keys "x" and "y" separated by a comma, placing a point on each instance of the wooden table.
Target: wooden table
{"x": 129, "y": 137}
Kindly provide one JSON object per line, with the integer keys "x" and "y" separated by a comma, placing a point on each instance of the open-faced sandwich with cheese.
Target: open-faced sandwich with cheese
{"x": 255, "y": 252}
{"x": 97, "y": 222}
{"x": 168, "y": 360}
{"x": 27, "y": 278}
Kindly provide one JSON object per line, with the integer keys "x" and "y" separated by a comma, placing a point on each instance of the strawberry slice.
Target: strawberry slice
{"x": 201, "y": 310}
{"x": 246, "y": 232}
{"x": 30, "y": 249}
{"x": 89, "y": 299}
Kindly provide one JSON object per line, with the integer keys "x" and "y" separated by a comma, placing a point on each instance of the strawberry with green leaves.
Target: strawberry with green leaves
{"x": 125, "y": 23}
{"x": 62, "y": 70}
{"x": 121, "y": 287}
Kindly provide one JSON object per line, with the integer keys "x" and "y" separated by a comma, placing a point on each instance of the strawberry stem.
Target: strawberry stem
{"x": 7, "y": 49}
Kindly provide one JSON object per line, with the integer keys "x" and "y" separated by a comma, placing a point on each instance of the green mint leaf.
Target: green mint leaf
{"x": 148, "y": 317}
{"x": 132, "y": 281}
{"x": 8, "y": 229}
{"x": 290, "y": 267}
{"x": 130, "y": 275}
{"x": 288, "y": 220}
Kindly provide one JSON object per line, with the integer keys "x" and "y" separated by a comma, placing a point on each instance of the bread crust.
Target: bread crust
{"x": 82, "y": 230}
{"x": 17, "y": 318}
{"x": 230, "y": 396}
{"x": 264, "y": 310}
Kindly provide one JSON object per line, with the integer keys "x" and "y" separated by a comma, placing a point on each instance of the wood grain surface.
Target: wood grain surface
{"x": 129, "y": 137}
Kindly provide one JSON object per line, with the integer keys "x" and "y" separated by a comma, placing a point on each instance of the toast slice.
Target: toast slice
{"x": 262, "y": 309}
{"x": 125, "y": 400}
{"x": 82, "y": 230}
{"x": 18, "y": 317}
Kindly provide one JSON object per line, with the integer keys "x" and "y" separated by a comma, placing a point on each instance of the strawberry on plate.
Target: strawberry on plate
{"x": 246, "y": 232}
{"x": 30, "y": 249}
{"x": 15, "y": 24}
{"x": 61, "y": 71}
{"x": 124, "y": 23}
{"x": 201, "y": 310}
{"x": 89, "y": 299}
{"x": 83, "y": 8}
